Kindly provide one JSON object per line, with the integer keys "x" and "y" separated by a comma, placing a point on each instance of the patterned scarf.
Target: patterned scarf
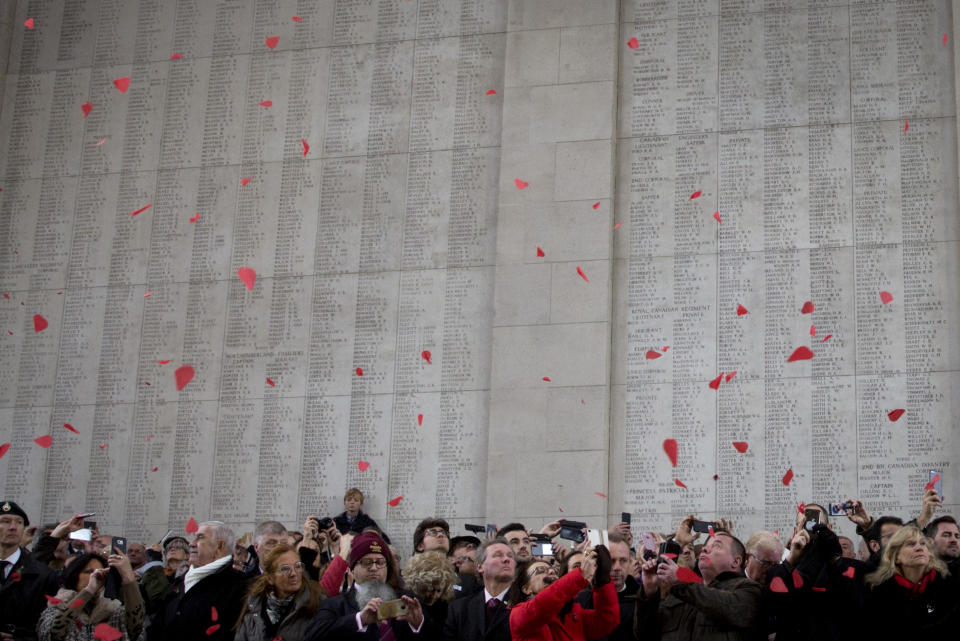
{"x": 277, "y": 609}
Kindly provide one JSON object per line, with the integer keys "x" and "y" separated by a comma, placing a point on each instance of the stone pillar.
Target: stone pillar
{"x": 548, "y": 439}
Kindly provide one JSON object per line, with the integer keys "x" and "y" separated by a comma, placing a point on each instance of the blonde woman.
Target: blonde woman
{"x": 909, "y": 594}
{"x": 430, "y": 576}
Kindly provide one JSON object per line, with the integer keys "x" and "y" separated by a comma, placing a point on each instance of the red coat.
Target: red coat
{"x": 538, "y": 619}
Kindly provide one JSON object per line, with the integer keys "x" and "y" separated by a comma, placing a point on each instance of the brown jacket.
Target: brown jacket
{"x": 726, "y": 610}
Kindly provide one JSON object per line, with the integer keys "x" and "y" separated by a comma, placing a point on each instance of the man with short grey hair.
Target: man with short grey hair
{"x": 484, "y": 616}
{"x": 266, "y": 537}
{"x": 210, "y": 585}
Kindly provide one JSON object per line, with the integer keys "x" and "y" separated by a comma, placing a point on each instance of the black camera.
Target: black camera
{"x": 324, "y": 523}
{"x": 476, "y": 529}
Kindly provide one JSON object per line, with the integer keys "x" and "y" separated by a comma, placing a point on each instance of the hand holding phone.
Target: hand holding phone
{"x": 572, "y": 531}
{"x": 118, "y": 543}
{"x": 705, "y": 527}
{"x": 391, "y": 609}
{"x": 936, "y": 483}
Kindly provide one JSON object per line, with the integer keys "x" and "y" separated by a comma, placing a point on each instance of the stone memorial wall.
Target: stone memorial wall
{"x": 479, "y": 259}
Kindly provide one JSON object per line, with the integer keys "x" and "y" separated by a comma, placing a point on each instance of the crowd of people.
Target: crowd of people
{"x": 340, "y": 579}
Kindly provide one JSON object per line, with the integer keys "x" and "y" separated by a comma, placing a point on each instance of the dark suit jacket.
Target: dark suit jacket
{"x": 467, "y": 621}
{"x": 336, "y": 620}
{"x": 467, "y": 585}
{"x": 187, "y": 616}
{"x": 21, "y": 595}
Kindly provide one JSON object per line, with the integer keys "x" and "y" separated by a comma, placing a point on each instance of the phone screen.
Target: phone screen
{"x": 119, "y": 543}
{"x": 936, "y": 478}
{"x": 625, "y": 517}
{"x": 649, "y": 542}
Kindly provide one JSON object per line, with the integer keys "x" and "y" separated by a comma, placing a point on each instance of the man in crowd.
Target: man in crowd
{"x": 879, "y": 533}
{"x": 764, "y": 550}
{"x": 945, "y": 535}
{"x": 137, "y": 553}
{"x": 266, "y": 537}
{"x": 626, "y": 586}
{"x": 431, "y": 534}
{"x": 484, "y": 616}
{"x": 23, "y": 580}
{"x": 846, "y": 544}
{"x": 518, "y": 538}
{"x": 353, "y": 518}
{"x": 352, "y": 615}
{"x": 463, "y": 554}
{"x": 210, "y": 583}
{"x": 726, "y": 605}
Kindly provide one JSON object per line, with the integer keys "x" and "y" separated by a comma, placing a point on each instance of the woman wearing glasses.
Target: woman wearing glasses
{"x": 545, "y": 609}
{"x": 281, "y": 602}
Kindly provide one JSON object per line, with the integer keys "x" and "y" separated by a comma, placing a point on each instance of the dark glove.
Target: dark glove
{"x": 604, "y": 563}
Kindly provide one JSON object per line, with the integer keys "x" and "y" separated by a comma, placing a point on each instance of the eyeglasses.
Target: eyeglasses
{"x": 369, "y": 563}
{"x": 435, "y": 531}
{"x": 287, "y": 570}
{"x": 764, "y": 564}
{"x": 540, "y": 569}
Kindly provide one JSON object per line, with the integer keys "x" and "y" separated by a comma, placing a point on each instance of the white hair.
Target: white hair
{"x": 222, "y": 533}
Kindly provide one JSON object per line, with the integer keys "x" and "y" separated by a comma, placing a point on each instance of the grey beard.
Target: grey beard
{"x": 374, "y": 590}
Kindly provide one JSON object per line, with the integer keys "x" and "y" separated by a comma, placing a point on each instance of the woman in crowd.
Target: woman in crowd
{"x": 430, "y": 576}
{"x": 281, "y": 602}
{"x": 910, "y": 596}
{"x": 80, "y": 607}
{"x": 158, "y": 579}
{"x": 544, "y": 608}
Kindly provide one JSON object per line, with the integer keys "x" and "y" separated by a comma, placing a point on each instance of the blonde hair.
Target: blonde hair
{"x": 426, "y": 570}
{"x": 888, "y": 562}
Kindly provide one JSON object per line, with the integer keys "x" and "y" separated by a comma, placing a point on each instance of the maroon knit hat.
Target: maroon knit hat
{"x": 367, "y": 543}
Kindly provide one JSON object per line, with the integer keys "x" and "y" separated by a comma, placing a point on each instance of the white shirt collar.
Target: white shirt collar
{"x": 12, "y": 560}
{"x": 502, "y": 596}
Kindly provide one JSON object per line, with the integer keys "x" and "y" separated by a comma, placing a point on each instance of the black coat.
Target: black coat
{"x": 628, "y": 603}
{"x": 336, "y": 620}
{"x": 361, "y": 521}
{"x": 467, "y": 585}
{"x": 467, "y": 621}
{"x": 815, "y": 600}
{"x": 187, "y": 616}
{"x": 896, "y": 610}
{"x": 21, "y": 595}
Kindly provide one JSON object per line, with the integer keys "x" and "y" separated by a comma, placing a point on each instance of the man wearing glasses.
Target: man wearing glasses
{"x": 431, "y": 534}
{"x": 764, "y": 550}
{"x": 369, "y": 611}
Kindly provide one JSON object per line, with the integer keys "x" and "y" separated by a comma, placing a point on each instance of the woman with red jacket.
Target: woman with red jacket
{"x": 545, "y": 608}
